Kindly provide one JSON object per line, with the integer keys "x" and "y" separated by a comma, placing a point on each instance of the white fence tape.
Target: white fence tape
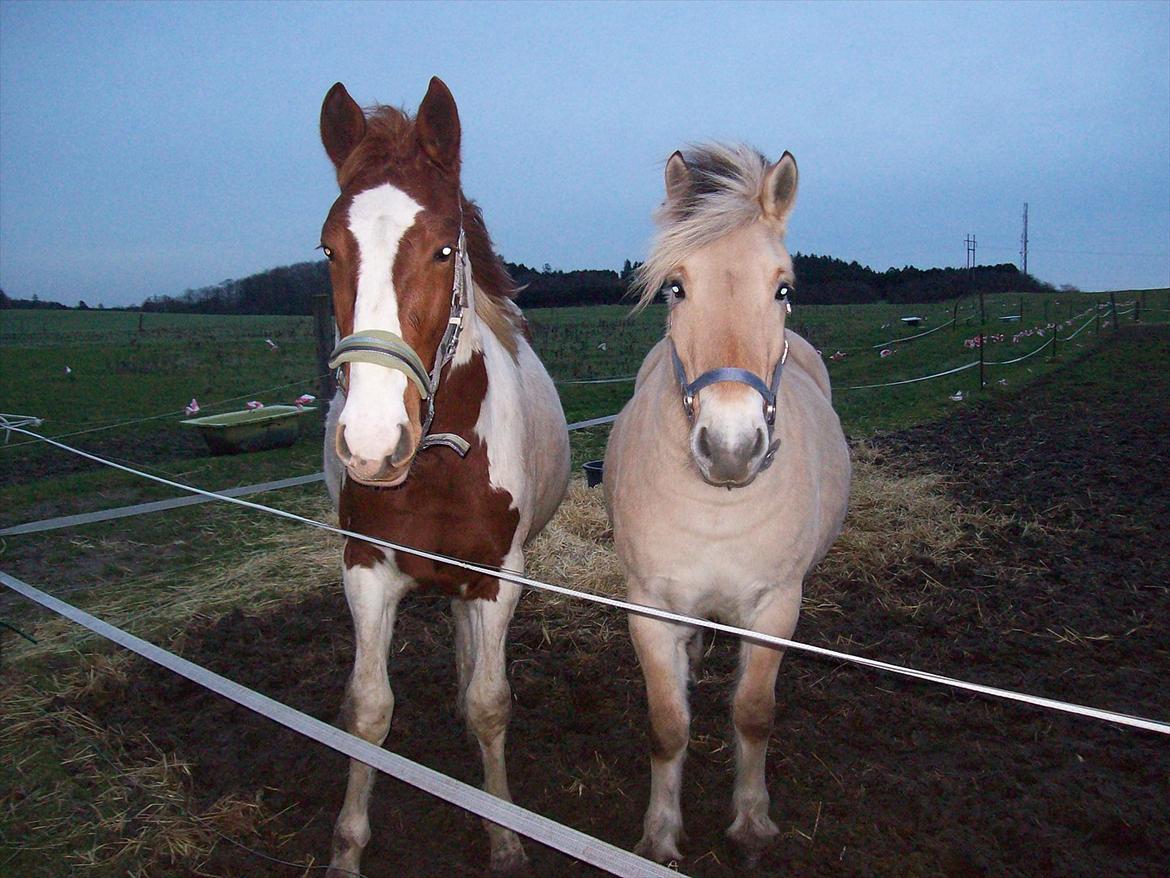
{"x": 652, "y": 612}
{"x": 180, "y": 502}
{"x": 618, "y": 379}
{"x": 528, "y": 823}
{"x": 155, "y": 506}
{"x": 882, "y": 344}
{"x": 1018, "y": 359}
{"x": 962, "y": 368}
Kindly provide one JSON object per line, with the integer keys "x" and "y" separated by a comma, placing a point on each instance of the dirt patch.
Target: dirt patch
{"x": 869, "y": 775}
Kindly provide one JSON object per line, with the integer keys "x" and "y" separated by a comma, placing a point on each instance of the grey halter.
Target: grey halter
{"x": 392, "y": 352}
{"x": 739, "y": 376}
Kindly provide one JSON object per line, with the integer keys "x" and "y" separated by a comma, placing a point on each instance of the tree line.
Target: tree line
{"x": 820, "y": 280}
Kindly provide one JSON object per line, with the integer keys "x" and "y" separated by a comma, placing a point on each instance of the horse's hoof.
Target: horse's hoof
{"x": 660, "y": 851}
{"x": 510, "y": 861}
{"x": 346, "y": 857}
{"x": 751, "y": 836}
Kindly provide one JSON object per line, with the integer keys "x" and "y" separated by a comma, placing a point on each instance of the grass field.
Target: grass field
{"x": 101, "y": 808}
{"x": 127, "y": 383}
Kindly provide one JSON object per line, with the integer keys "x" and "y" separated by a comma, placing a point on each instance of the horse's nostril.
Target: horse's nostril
{"x": 758, "y": 448}
{"x": 403, "y": 449}
{"x": 704, "y": 444}
{"x": 343, "y": 451}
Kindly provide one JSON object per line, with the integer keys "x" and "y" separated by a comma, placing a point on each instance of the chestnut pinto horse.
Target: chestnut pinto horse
{"x": 726, "y": 487}
{"x": 469, "y": 459}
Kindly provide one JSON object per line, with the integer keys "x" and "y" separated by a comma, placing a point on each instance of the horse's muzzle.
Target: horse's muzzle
{"x": 729, "y": 461}
{"x": 385, "y": 472}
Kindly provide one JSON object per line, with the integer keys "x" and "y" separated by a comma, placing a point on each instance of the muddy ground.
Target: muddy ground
{"x": 870, "y": 774}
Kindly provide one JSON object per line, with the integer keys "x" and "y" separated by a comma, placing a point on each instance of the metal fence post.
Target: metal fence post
{"x": 982, "y": 340}
{"x": 323, "y": 328}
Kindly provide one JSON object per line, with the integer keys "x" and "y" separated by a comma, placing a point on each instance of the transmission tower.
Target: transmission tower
{"x": 1024, "y": 242}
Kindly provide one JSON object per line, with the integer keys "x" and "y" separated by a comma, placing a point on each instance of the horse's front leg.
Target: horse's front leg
{"x": 373, "y": 594}
{"x": 663, "y": 653}
{"x": 487, "y": 700}
{"x": 753, "y": 712}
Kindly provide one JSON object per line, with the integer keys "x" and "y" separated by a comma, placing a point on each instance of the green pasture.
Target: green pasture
{"x": 129, "y": 378}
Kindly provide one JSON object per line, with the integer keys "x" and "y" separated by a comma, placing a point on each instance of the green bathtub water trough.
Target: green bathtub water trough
{"x": 274, "y": 426}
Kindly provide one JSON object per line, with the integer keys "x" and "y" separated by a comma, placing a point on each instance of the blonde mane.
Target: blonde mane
{"x": 726, "y": 193}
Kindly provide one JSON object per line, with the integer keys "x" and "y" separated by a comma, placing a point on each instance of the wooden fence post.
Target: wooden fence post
{"x": 982, "y": 339}
{"x": 323, "y": 327}
{"x": 1113, "y": 308}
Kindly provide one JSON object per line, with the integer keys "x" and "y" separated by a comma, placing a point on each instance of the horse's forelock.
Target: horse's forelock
{"x": 725, "y": 193}
{"x": 391, "y": 141}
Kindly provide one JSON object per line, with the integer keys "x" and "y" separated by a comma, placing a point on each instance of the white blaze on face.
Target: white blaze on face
{"x": 375, "y": 410}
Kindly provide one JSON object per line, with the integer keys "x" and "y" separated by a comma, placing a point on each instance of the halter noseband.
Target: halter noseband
{"x": 390, "y": 350}
{"x": 738, "y": 376}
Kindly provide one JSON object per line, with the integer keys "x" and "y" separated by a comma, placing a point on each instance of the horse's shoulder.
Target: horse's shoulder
{"x": 805, "y": 357}
{"x": 651, "y": 361}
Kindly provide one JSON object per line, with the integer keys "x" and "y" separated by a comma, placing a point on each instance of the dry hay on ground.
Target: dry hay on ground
{"x": 145, "y": 812}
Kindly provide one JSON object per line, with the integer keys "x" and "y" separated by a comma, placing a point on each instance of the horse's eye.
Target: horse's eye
{"x": 673, "y": 289}
{"x": 444, "y": 253}
{"x": 783, "y": 292}
{"x": 328, "y": 252}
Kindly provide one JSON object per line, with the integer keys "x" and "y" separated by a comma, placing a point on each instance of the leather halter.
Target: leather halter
{"x": 390, "y": 350}
{"x": 738, "y": 376}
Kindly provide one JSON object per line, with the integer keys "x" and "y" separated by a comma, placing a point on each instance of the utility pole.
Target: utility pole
{"x": 1024, "y": 242}
{"x": 970, "y": 242}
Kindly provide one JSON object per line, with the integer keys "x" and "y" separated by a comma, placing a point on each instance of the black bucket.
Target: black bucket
{"x": 592, "y": 472}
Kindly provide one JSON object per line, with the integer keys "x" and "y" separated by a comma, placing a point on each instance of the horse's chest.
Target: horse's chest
{"x": 713, "y": 548}
{"x": 446, "y": 506}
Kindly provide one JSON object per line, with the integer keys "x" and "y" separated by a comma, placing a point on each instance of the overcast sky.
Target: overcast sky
{"x": 147, "y": 148}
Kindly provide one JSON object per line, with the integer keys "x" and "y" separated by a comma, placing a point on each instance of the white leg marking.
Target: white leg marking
{"x": 373, "y": 594}
{"x": 489, "y": 704}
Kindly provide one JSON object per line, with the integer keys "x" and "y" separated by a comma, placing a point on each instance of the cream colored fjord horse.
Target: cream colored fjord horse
{"x": 727, "y": 474}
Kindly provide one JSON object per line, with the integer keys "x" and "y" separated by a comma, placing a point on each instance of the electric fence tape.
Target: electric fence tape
{"x": 569, "y": 841}
{"x": 652, "y": 612}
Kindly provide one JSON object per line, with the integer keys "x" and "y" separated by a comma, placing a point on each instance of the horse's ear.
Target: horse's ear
{"x": 678, "y": 178}
{"x": 780, "y": 189}
{"x": 438, "y": 126}
{"x": 343, "y": 124}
